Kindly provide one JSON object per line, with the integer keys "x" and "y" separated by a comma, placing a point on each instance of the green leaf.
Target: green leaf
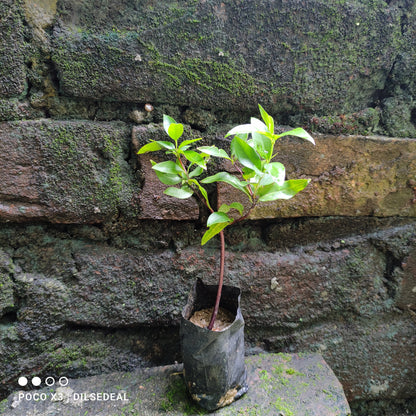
{"x": 186, "y": 143}
{"x": 241, "y": 129}
{"x": 258, "y": 125}
{"x": 149, "y": 147}
{"x": 175, "y": 131}
{"x": 213, "y": 231}
{"x": 248, "y": 174}
{"x": 214, "y": 151}
{"x": 277, "y": 170}
{"x": 227, "y": 178}
{"x": 299, "y": 132}
{"x": 218, "y": 218}
{"x": 236, "y": 205}
{"x": 267, "y": 119}
{"x": 168, "y": 179}
{"x": 180, "y": 193}
{"x": 167, "y": 121}
{"x": 245, "y": 154}
{"x": 289, "y": 189}
{"x": 168, "y": 166}
{"x": 196, "y": 158}
{"x": 196, "y": 172}
{"x": 265, "y": 180}
{"x": 203, "y": 192}
{"x": 275, "y": 173}
{"x": 166, "y": 145}
{"x": 262, "y": 144}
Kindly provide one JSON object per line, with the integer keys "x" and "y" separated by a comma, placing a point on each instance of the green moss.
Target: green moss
{"x": 281, "y": 406}
{"x": 86, "y": 170}
{"x": 3, "y": 406}
{"x": 176, "y": 398}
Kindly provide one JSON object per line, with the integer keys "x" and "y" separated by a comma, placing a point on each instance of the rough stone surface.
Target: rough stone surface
{"x": 288, "y": 384}
{"x": 291, "y": 56}
{"x": 84, "y": 296}
{"x": 153, "y": 203}
{"x": 352, "y": 176}
{"x": 366, "y": 348}
{"x": 398, "y": 106}
{"x": 65, "y": 172}
{"x": 90, "y": 285}
{"x": 407, "y": 277}
{"x": 12, "y": 50}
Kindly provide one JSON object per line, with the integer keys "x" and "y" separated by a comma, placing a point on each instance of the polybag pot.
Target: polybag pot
{"x": 214, "y": 368}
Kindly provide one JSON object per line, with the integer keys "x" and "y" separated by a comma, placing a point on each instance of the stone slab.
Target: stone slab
{"x": 92, "y": 302}
{"x": 153, "y": 203}
{"x": 375, "y": 359}
{"x": 65, "y": 171}
{"x": 350, "y": 176}
{"x": 407, "y": 277}
{"x": 279, "y": 384}
{"x": 94, "y": 285}
{"x": 291, "y": 56}
{"x": 12, "y": 50}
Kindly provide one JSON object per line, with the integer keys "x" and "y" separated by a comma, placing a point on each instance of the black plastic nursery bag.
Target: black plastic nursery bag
{"x": 214, "y": 368}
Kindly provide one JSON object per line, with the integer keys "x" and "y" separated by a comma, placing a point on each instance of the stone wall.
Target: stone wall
{"x": 95, "y": 263}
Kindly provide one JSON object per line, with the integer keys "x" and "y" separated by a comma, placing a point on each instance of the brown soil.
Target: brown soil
{"x": 224, "y": 318}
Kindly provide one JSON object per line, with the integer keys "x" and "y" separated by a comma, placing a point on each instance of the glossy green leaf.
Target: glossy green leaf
{"x": 299, "y": 132}
{"x": 218, "y": 218}
{"x": 258, "y": 125}
{"x": 241, "y": 129}
{"x": 167, "y": 167}
{"x": 186, "y": 143}
{"x": 267, "y": 119}
{"x": 262, "y": 144}
{"x": 227, "y": 178}
{"x": 149, "y": 147}
{"x": 214, "y": 151}
{"x": 248, "y": 174}
{"x": 166, "y": 145}
{"x": 203, "y": 192}
{"x": 196, "y": 172}
{"x": 167, "y": 121}
{"x": 277, "y": 170}
{"x": 265, "y": 180}
{"x": 236, "y": 205}
{"x": 289, "y": 189}
{"x": 168, "y": 179}
{"x": 245, "y": 154}
{"x": 213, "y": 231}
{"x": 175, "y": 131}
{"x": 196, "y": 158}
{"x": 180, "y": 193}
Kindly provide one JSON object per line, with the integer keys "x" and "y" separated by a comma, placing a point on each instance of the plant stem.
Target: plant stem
{"x": 220, "y": 282}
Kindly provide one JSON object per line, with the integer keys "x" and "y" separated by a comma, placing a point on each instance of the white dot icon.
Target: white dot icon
{"x": 36, "y": 381}
{"x": 22, "y": 381}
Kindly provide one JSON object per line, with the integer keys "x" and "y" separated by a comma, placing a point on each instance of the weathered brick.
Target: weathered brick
{"x": 12, "y": 50}
{"x": 350, "y": 176}
{"x": 63, "y": 171}
{"x": 407, "y": 291}
{"x": 290, "y": 56}
{"x": 153, "y": 203}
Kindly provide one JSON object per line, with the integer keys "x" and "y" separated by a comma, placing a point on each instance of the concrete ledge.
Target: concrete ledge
{"x": 280, "y": 384}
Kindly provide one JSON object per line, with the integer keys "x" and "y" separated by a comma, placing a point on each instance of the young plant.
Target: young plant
{"x": 252, "y": 151}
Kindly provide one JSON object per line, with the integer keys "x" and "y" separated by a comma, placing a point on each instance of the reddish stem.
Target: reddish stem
{"x": 220, "y": 282}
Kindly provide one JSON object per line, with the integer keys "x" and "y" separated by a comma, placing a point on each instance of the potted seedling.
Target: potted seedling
{"x": 213, "y": 357}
